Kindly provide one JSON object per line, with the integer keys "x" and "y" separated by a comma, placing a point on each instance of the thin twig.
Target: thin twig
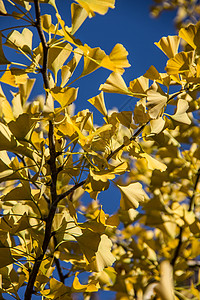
{"x": 191, "y": 208}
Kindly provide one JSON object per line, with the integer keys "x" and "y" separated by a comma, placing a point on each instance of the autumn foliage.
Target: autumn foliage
{"x": 52, "y": 244}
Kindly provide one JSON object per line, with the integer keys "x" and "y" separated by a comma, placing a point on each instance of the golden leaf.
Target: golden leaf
{"x": 153, "y": 163}
{"x": 181, "y": 115}
{"x": 115, "y": 84}
{"x": 139, "y": 86}
{"x": 156, "y": 101}
{"x": 22, "y": 41}
{"x": 191, "y": 34}
{"x": 131, "y": 195}
{"x": 165, "y": 289}
{"x": 99, "y": 6}
{"x": 169, "y": 45}
{"x": 180, "y": 63}
{"x": 98, "y": 103}
{"x": 79, "y": 14}
{"x": 65, "y": 96}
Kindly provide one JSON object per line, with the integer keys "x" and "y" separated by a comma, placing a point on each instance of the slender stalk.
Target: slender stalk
{"x": 191, "y": 208}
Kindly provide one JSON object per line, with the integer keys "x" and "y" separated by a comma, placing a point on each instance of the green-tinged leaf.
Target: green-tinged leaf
{"x": 98, "y": 103}
{"x": 115, "y": 84}
{"x": 64, "y": 96}
{"x": 21, "y": 132}
{"x": 98, "y": 6}
{"x": 22, "y": 41}
{"x": 3, "y": 60}
{"x": 57, "y": 290}
{"x": 78, "y": 15}
{"x": 98, "y": 252}
{"x": 181, "y": 115}
{"x": 131, "y": 195}
{"x": 5, "y": 257}
{"x": 169, "y": 45}
{"x": 141, "y": 115}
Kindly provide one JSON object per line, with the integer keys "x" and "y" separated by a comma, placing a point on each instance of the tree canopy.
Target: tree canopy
{"x": 52, "y": 244}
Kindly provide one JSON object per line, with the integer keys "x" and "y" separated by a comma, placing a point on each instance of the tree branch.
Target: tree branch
{"x": 191, "y": 208}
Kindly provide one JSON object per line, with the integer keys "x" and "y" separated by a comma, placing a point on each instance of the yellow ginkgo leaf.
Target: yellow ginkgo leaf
{"x": 57, "y": 56}
{"x": 191, "y": 34}
{"x": 117, "y": 59}
{"x": 97, "y": 252}
{"x": 180, "y": 63}
{"x": 21, "y": 41}
{"x": 165, "y": 288}
{"x": 77, "y": 287}
{"x": 64, "y": 96}
{"x": 156, "y": 101}
{"x": 139, "y": 86}
{"x": 78, "y": 14}
{"x": 98, "y": 103}
{"x": 131, "y": 195}
{"x": 92, "y": 59}
{"x": 169, "y": 45}
{"x": 115, "y": 84}
{"x": 99, "y": 6}
{"x": 181, "y": 115}
{"x": 153, "y": 163}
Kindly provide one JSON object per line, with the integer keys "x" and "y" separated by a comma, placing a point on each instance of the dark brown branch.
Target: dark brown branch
{"x": 44, "y": 44}
{"x": 47, "y": 235}
{"x": 57, "y": 263}
{"x": 123, "y": 145}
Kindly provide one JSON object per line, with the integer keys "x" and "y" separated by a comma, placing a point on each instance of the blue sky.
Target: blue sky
{"x": 131, "y": 25}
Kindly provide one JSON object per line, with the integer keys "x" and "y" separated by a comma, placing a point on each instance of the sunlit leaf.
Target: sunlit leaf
{"x": 191, "y": 35}
{"x": 2, "y": 8}
{"x": 98, "y": 251}
{"x": 180, "y": 114}
{"x": 57, "y": 56}
{"x": 180, "y": 63}
{"x": 131, "y": 195}
{"x": 139, "y": 87}
{"x": 79, "y": 14}
{"x": 90, "y": 287}
{"x": 21, "y": 41}
{"x": 165, "y": 288}
{"x": 98, "y": 103}
{"x": 156, "y": 101}
{"x": 169, "y": 45}
{"x": 153, "y": 163}
{"x": 117, "y": 59}
{"x": 115, "y": 84}
{"x": 99, "y": 6}
{"x": 65, "y": 96}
